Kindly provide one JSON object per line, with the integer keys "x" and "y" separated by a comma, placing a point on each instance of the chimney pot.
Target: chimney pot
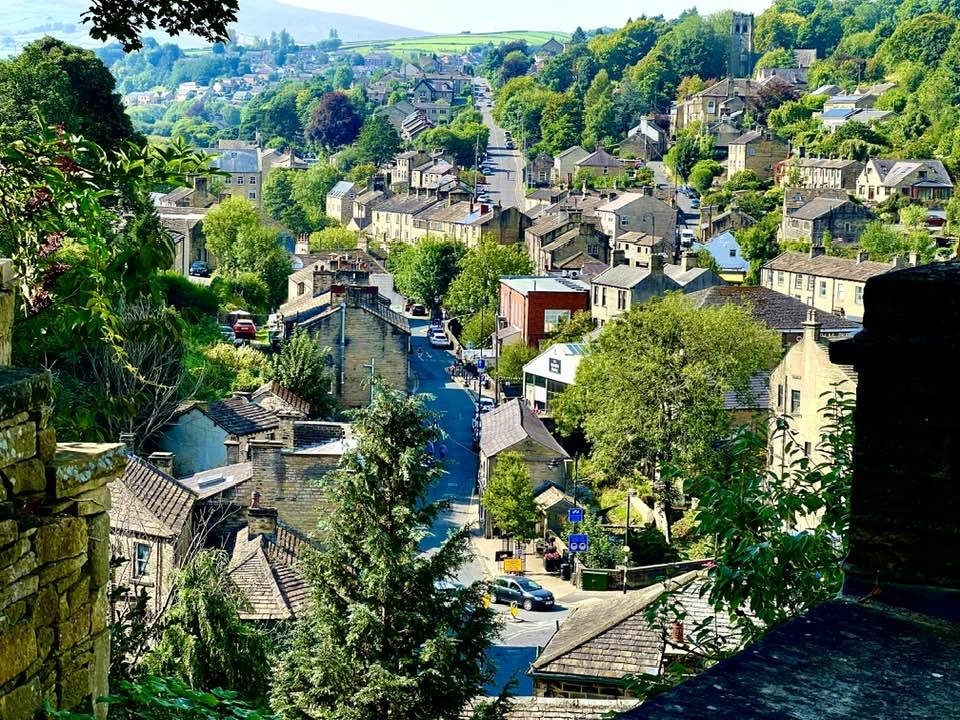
{"x": 255, "y": 499}
{"x": 817, "y": 250}
{"x": 130, "y": 440}
{"x": 676, "y": 632}
{"x": 163, "y": 461}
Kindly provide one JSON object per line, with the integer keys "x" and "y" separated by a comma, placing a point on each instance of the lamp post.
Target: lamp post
{"x": 626, "y": 541}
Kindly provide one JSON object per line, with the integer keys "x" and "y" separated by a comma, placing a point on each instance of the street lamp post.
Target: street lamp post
{"x": 626, "y": 540}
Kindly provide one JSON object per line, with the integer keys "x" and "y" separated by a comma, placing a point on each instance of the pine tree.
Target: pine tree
{"x": 379, "y": 639}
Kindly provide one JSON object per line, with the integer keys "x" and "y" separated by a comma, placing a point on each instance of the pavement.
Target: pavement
{"x": 505, "y": 184}
{"x": 521, "y": 638}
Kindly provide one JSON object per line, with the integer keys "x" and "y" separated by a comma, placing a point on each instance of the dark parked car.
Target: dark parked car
{"x": 199, "y": 268}
{"x": 525, "y": 592}
{"x": 418, "y": 311}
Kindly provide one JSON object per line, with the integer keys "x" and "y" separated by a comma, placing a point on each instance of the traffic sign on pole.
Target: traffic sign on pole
{"x": 575, "y": 514}
{"x": 481, "y": 364}
{"x": 578, "y": 542}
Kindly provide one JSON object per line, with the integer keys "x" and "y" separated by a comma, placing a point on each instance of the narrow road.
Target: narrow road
{"x": 506, "y": 182}
{"x": 519, "y": 641}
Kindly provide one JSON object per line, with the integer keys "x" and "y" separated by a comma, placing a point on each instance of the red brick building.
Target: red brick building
{"x": 537, "y": 305}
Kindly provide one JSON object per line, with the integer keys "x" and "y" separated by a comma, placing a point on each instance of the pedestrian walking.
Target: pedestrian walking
{"x": 443, "y": 451}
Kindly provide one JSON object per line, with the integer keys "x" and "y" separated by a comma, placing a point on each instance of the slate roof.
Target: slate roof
{"x": 147, "y": 500}
{"x": 512, "y": 423}
{"x": 406, "y": 204}
{"x": 685, "y": 277}
{"x": 214, "y": 481}
{"x": 843, "y": 660}
{"x": 239, "y": 416}
{"x": 747, "y": 137}
{"x": 755, "y": 397}
{"x": 894, "y": 172}
{"x": 236, "y": 161}
{"x": 264, "y": 570}
{"x": 775, "y": 310}
{"x": 731, "y": 87}
{"x": 608, "y": 640}
{"x": 600, "y": 158}
{"x": 828, "y": 266}
{"x": 622, "y": 201}
{"x": 548, "y": 224}
{"x": 639, "y": 238}
{"x": 294, "y": 401}
{"x": 625, "y": 277}
{"x": 817, "y": 208}
{"x": 341, "y": 189}
{"x": 829, "y": 163}
{"x": 552, "y": 496}
{"x": 556, "y": 708}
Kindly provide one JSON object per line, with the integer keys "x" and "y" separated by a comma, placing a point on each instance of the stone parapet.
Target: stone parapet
{"x": 54, "y": 555}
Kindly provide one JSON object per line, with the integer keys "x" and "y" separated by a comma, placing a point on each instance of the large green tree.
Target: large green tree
{"x": 278, "y": 201}
{"x": 478, "y": 281}
{"x": 425, "y": 270}
{"x": 378, "y": 141}
{"x": 301, "y": 367}
{"x": 64, "y": 85}
{"x": 650, "y": 394}
{"x": 378, "y": 638}
{"x": 509, "y": 499}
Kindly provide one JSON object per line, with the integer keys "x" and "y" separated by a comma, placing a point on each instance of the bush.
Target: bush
{"x": 219, "y": 368}
{"x": 191, "y": 299}
{"x": 241, "y": 291}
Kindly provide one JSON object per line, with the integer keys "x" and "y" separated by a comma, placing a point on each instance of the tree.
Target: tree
{"x": 478, "y": 282}
{"x": 689, "y": 149}
{"x": 477, "y": 329}
{"x": 277, "y": 198}
{"x": 625, "y": 46}
{"x": 67, "y": 86}
{"x": 515, "y": 64}
{"x": 650, "y": 394}
{"x": 425, "y": 270}
{"x": 301, "y": 367}
{"x": 561, "y": 124}
{"x": 509, "y": 499}
{"x": 334, "y": 122}
{"x": 343, "y": 77}
{"x": 759, "y": 244}
{"x": 125, "y": 20}
{"x": 913, "y": 217}
{"x": 310, "y": 189}
{"x": 374, "y": 610}
{"x": 702, "y": 174}
{"x": 572, "y": 330}
{"x": 378, "y": 141}
{"x": 202, "y": 639}
{"x": 512, "y": 359}
{"x": 333, "y": 238}
{"x": 775, "y": 58}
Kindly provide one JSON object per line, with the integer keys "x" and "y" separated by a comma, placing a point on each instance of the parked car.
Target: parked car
{"x": 694, "y": 204}
{"x": 199, "y": 268}
{"x": 523, "y": 591}
{"x": 439, "y": 340}
{"x": 418, "y": 311}
{"x": 486, "y": 404}
{"x": 245, "y": 329}
{"x": 226, "y": 332}
{"x": 687, "y": 237}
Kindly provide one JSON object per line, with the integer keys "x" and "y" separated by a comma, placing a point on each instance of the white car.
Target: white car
{"x": 687, "y": 237}
{"x": 486, "y": 404}
{"x": 439, "y": 340}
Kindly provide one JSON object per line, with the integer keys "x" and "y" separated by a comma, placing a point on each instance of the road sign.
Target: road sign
{"x": 481, "y": 364}
{"x": 513, "y": 565}
{"x": 574, "y": 514}
{"x": 578, "y": 542}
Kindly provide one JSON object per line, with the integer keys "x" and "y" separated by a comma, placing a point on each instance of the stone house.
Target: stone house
{"x": 646, "y": 141}
{"x": 724, "y": 98}
{"x": 549, "y": 49}
{"x": 322, "y": 270}
{"x": 276, "y": 398}
{"x": 925, "y": 180}
{"x": 829, "y": 284}
{"x": 637, "y": 212}
{"x": 616, "y": 290}
{"x": 363, "y": 206}
{"x": 799, "y": 387}
{"x": 578, "y": 246}
{"x": 599, "y": 163}
{"x": 602, "y": 644}
{"x": 244, "y": 171}
{"x": 844, "y": 220}
{"x": 636, "y": 248}
{"x": 538, "y": 171}
{"x": 565, "y": 165}
{"x": 365, "y": 336}
{"x": 824, "y": 173}
{"x": 537, "y": 305}
{"x": 553, "y": 504}
{"x": 185, "y": 228}
{"x": 713, "y": 223}
{"x": 513, "y": 427}
{"x": 403, "y": 166}
{"x": 152, "y": 525}
{"x": 757, "y": 150}
{"x": 198, "y": 430}
{"x": 339, "y": 202}
{"x": 392, "y": 218}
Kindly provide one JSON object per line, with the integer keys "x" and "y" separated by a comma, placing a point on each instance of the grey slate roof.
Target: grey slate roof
{"x": 512, "y": 423}
{"x": 239, "y": 416}
{"x": 407, "y": 204}
{"x": 236, "y": 161}
{"x": 756, "y": 396}
{"x": 294, "y": 401}
{"x": 775, "y": 310}
{"x": 828, "y": 266}
{"x": 145, "y": 499}
{"x": 341, "y": 189}
{"x": 817, "y": 208}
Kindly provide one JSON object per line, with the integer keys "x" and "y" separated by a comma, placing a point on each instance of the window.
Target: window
{"x": 301, "y": 288}
{"x": 733, "y": 252}
{"x": 806, "y": 449}
{"x": 810, "y": 282}
{"x": 252, "y": 194}
{"x": 780, "y": 395}
{"x": 596, "y": 294}
{"x": 603, "y": 296}
{"x": 227, "y": 180}
{"x": 798, "y": 282}
{"x": 239, "y": 179}
{"x": 711, "y": 106}
{"x": 839, "y": 291}
{"x": 553, "y": 318}
{"x": 141, "y": 564}
{"x": 621, "y": 299}
{"x": 253, "y": 179}
{"x": 823, "y": 288}
{"x": 794, "y": 401}
{"x": 769, "y": 276}
{"x": 780, "y": 277}
{"x": 751, "y": 151}
{"x": 858, "y": 295}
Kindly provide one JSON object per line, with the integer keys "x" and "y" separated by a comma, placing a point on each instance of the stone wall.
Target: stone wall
{"x": 54, "y": 555}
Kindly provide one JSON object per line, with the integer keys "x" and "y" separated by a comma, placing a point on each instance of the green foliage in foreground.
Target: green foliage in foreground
{"x": 509, "y": 497}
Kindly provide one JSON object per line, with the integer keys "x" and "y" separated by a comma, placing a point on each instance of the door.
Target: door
{"x": 516, "y": 593}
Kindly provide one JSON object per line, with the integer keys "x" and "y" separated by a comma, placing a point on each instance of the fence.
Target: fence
{"x": 638, "y": 577}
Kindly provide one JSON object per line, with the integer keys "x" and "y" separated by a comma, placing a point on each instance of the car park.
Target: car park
{"x": 523, "y": 591}
{"x": 245, "y": 329}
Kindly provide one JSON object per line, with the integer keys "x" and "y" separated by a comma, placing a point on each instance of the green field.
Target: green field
{"x": 454, "y": 43}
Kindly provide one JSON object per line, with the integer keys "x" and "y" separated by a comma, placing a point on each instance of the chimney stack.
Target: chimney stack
{"x": 232, "y": 448}
{"x": 914, "y": 258}
{"x": 688, "y": 260}
{"x": 817, "y": 250}
{"x": 862, "y": 256}
{"x": 302, "y": 246}
{"x": 130, "y": 440}
{"x": 656, "y": 264}
{"x": 811, "y": 327}
{"x": 163, "y": 461}
{"x": 618, "y": 258}
{"x": 260, "y": 520}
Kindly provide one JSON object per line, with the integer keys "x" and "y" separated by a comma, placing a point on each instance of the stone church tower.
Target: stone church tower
{"x": 741, "y": 46}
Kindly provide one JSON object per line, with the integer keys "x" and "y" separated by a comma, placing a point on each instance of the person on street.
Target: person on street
{"x": 442, "y": 451}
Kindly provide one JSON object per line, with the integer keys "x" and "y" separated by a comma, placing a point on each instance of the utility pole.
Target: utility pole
{"x": 626, "y": 541}
{"x": 373, "y": 366}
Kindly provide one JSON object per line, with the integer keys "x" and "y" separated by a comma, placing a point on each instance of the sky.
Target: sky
{"x": 451, "y": 16}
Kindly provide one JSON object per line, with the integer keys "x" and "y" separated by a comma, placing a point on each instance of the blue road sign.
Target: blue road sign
{"x": 578, "y": 542}
{"x": 574, "y": 514}
{"x": 481, "y": 364}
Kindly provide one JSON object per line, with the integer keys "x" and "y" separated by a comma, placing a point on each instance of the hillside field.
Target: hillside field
{"x": 455, "y": 43}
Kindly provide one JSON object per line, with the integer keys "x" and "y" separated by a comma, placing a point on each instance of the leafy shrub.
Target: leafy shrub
{"x": 191, "y": 299}
{"x": 241, "y": 291}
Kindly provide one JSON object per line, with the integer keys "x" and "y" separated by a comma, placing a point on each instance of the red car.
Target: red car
{"x": 245, "y": 330}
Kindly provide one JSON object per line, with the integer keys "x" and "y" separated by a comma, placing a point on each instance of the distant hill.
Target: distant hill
{"x": 458, "y": 43}
{"x": 22, "y": 21}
